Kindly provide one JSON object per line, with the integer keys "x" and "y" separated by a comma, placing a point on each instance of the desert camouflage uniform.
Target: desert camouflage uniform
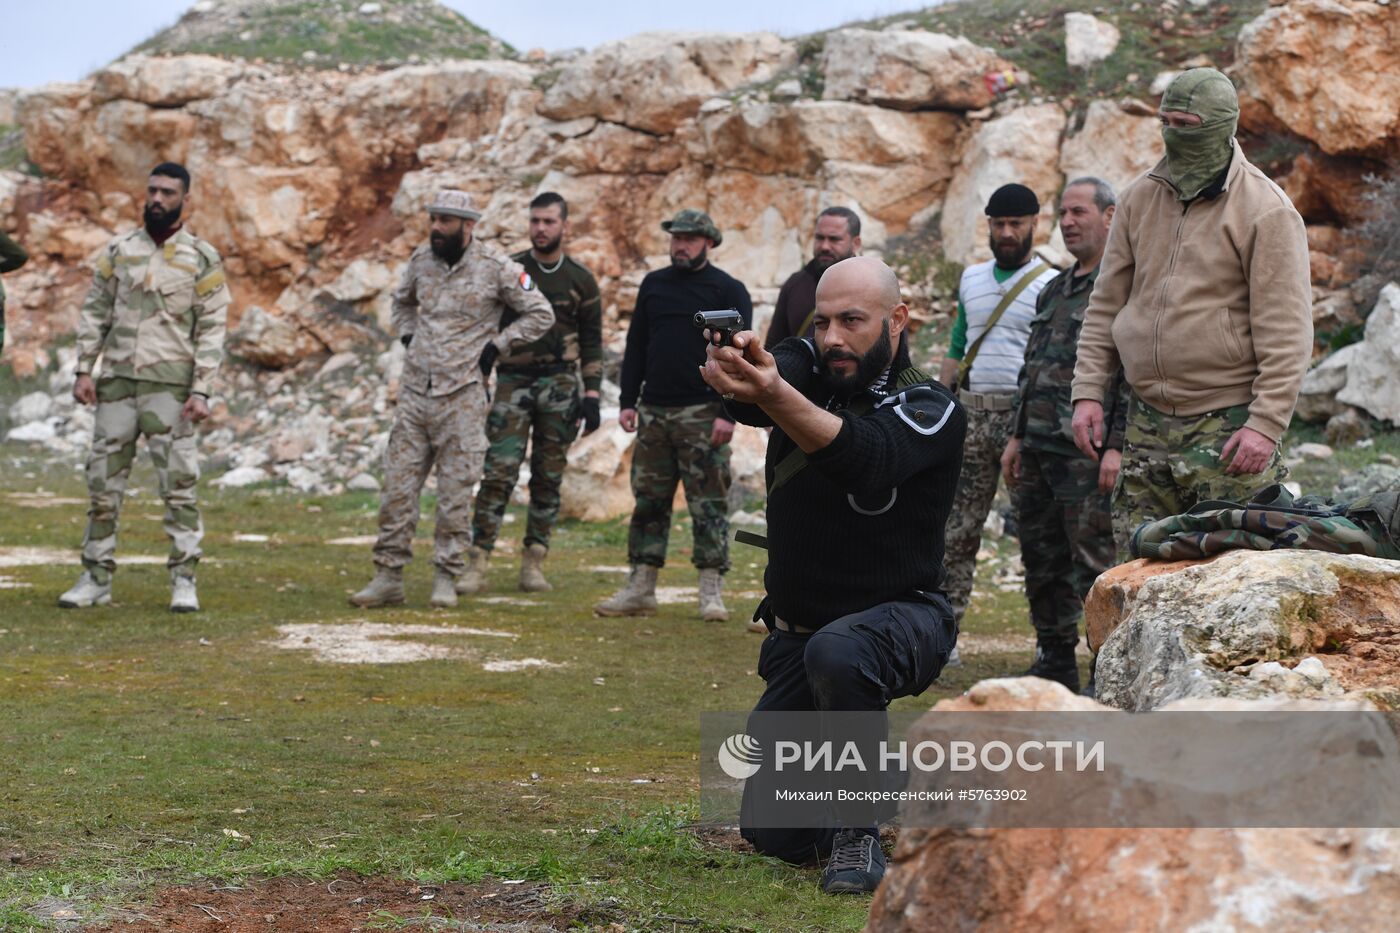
{"x": 1063, "y": 521}
{"x": 156, "y": 314}
{"x": 1171, "y": 462}
{"x": 452, "y": 313}
{"x": 673, "y": 445}
{"x": 537, "y": 403}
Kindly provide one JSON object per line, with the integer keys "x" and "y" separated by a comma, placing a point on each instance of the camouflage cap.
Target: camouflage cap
{"x": 691, "y": 220}
{"x": 454, "y": 203}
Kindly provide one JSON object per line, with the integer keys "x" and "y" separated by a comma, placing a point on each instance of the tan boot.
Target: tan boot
{"x": 637, "y": 598}
{"x": 444, "y": 590}
{"x": 386, "y": 589}
{"x": 532, "y": 571}
{"x": 474, "y": 579}
{"x": 711, "y": 603}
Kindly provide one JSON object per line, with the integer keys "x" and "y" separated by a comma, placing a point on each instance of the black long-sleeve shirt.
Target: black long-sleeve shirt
{"x": 862, "y": 522}
{"x": 664, "y": 349}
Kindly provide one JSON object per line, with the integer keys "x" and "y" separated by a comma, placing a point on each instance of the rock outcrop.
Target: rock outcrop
{"x": 1371, "y": 382}
{"x": 908, "y": 70}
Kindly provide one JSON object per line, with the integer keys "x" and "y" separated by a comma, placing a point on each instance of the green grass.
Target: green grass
{"x": 133, "y": 738}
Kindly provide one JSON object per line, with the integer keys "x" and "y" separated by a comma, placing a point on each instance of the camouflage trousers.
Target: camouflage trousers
{"x": 442, "y": 430}
{"x": 126, "y": 410}
{"x": 543, "y": 412}
{"x": 1171, "y": 462}
{"x": 987, "y": 432}
{"x": 673, "y": 445}
{"x": 1066, "y": 533}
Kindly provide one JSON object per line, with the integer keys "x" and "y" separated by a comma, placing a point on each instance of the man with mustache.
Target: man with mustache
{"x": 861, "y": 470}
{"x": 837, "y": 237}
{"x": 447, "y": 310}
{"x": 537, "y": 399}
{"x": 1206, "y": 301}
{"x": 682, "y": 429}
{"x": 996, "y": 304}
{"x": 156, "y": 315}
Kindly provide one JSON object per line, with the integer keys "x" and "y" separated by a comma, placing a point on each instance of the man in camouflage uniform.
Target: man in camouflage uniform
{"x": 1062, "y": 496}
{"x": 537, "y": 399}
{"x": 447, "y": 310}
{"x": 156, "y": 314}
{"x": 683, "y": 431}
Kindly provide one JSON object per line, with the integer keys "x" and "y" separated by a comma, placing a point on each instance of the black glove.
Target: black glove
{"x": 592, "y": 417}
{"x": 406, "y": 339}
{"x": 488, "y": 359}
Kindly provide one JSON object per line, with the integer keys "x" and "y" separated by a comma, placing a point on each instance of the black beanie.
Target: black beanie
{"x": 1013, "y": 201}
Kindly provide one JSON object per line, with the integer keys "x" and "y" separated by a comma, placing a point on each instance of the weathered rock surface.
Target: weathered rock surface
{"x": 1371, "y": 382}
{"x": 164, "y": 82}
{"x": 908, "y": 70}
{"x": 1088, "y": 39}
{"x": 1317, "y": 399}
{"x": 1113, "y": 145}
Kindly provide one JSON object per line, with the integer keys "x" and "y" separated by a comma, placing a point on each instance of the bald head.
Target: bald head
{"x": 862, "y": 278}
{"x": 859, "y": 320}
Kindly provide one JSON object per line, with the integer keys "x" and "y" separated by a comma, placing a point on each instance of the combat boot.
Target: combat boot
{"x": 637, "y": 598}
{"x": 532, "y": 570}
{"x": 711, "y": 603}
{"x": 86, "y": 592}
{"x": 473, "y": 579}
{"x": 183, "y": 596}
{"x": 444, "y": 590}
{"x": 386, "y": 589}
{"x": 1055, "y": 661}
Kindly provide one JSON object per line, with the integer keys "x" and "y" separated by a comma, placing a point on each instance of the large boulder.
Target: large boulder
{"x": 165, "y": 81}
{"x": 655, "y": 81}
{"x": 1373, "y": 374}
{"x": 908, "y": 70}
{"x": 1023, "y": 147}
{"x": 1088, "y": 39}
{"x": 1113, "y": 144}
{"x": 1328, "y": 70}
{"x": 1317, "y": 399}
{"x": 1210, "y": 629}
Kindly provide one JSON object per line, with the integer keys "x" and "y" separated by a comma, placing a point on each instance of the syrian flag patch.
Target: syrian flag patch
{"x": 526, "y": 283}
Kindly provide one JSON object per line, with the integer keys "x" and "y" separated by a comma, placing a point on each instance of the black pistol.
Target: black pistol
{"x": 722, "y": 325}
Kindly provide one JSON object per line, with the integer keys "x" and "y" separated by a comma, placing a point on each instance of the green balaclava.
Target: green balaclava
{"x": 1197, "y": 155}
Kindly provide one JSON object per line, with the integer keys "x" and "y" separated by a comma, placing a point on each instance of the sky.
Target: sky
{"x": 64, "y": 40}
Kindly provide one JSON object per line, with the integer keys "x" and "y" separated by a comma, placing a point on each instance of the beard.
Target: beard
{"x": 868, "y": 367}
{"x": 1011, "y": 256}
{"x": 549, "y": 246}
{"x": 448, "y": 248}
{"x": 827, "y": 259}
{"x": 690, "y": 265}
{"x": 159, "y": 220}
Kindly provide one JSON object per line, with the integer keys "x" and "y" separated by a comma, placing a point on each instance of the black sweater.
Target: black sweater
{"x": 664, "y": 350}
{"x": 862, "y": 523}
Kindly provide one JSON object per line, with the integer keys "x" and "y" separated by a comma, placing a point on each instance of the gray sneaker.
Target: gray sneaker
{"x": 856, "y": 865}
{"x": 86, "y": 592}
{"x": 183, "y": 597}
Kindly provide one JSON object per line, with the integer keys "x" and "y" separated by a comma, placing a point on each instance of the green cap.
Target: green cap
{"x": 691, "y": 220}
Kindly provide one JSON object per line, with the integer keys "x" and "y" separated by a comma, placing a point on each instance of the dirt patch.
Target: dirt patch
{"x": 375, "y": 642}
{"x": 350, "y": 903}
{"x": 41, "y": 500}
{"x": 46, "y": 556}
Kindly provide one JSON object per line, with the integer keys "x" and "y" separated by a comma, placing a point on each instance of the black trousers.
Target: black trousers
{"x": 859, "y": 662}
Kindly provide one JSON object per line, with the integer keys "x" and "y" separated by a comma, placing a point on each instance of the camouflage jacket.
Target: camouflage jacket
{"x": 577, "y": 334}
{"x": 453, "y": 312}
{"x": 1043, "y": 410}
{"x": 156, "y": 313}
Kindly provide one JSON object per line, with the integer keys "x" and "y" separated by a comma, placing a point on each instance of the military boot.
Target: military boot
{"x": 444, "y": 590}
{"x": 86, "y": 592}
{"x": 473, "y": 580}
{"x": 386, "y": 589}
{"x": 711, "y": 603}
{"x": 1055, "y": 661}
{"x": 183, "y": 596}
{"x": 532, "y": 570}
{"x": 637, "y": 598}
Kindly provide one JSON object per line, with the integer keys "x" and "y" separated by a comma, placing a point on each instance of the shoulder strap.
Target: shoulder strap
{"x": 806, "y": 322}
{"x": 1031, "y": 275}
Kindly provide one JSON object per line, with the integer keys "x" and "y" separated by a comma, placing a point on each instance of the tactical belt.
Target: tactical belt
{"x": 785, "y": 626}
{"x": 987, "y": 401}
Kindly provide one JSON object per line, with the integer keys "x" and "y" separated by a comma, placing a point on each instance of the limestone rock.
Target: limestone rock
{"x": 1347, "y": 427}
{"x": 270, "y": 340}
{"x": 908, "y": 70}
{"x": 1373, "y": 373}
{"x": 1317, "y": 399}
{"x": 1327, "y": 188}
{"x": 1197, "y": 630}
{"x": 596, "y": 484}
{"x": 1088, "y": 39}
{"x": 1329, "y": 71}
{"x": 1022, "y": 147}
{"x": 162, "y": 81}
{"x": 35, "y": 406}
{"x": 1112, "y": 145}
{"x": 1370, "y": 479}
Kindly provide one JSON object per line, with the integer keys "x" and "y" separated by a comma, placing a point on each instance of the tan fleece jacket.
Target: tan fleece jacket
{"x": 1206, "y": 305}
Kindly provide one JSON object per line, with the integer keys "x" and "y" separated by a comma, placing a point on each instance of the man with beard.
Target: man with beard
{"x": 855, "y": 606}
{"x": 156, "y": 315}
{"x": 1205, "y": 300}
{"x": 996, "y": 304}
{"x": 537, "y": 399}
{"x": 682, "y": 429}
{"x": 447, "y": 310}
{"x": 837, "y": 237}
{"x": 1063, "y": 516}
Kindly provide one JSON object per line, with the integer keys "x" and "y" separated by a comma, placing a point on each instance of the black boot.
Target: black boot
{"x": 1055, "y": 661}
{"x": 1090, "y": 690}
